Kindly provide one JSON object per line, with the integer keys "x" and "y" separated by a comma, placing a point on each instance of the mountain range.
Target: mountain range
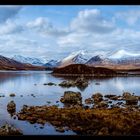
{"x": 29, "y": 60}
{"x": 120, "y": 57}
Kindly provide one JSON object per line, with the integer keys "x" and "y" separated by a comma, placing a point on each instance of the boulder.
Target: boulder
{"x": 102, "y": 104}
{"x": 66, "y": 84}
{"x": 131, "y": 100}
{"x": 97, "y": 97}
{"x": 97, "y": 83}
{"x": 126, "y": 94}
{"x": 11, "y": 107}
{"x": 81, "y": 82}
{"x": 71, "y": 97}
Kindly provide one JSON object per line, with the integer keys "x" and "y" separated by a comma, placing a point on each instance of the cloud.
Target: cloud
{"x": 89, "y": 30}
{"x": 46, "y": 28}
{"x": 92, "y": 21}
{"x": 7, "y": 12}
{"x": 10, "y": 27}
{"x": 129, "y": 16}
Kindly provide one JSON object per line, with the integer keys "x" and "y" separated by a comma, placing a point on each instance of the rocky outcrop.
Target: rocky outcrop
{"x": 76, "y": 69}
{"x": 95, "y": 121}
{"x": 72, "y": 97}
{"x": 79, "y": 82}
{"x": 97, "y": 97}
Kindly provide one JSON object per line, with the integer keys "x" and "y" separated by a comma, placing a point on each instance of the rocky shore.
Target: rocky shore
{"x": 102, "y": 117}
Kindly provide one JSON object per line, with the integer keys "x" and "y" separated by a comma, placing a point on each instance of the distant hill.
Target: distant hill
{"x": 84, "y": 69}
{"x": 10, "y": 64}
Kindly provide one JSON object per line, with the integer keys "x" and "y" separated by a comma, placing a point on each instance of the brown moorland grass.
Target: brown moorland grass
{"x": 113, "y": 121}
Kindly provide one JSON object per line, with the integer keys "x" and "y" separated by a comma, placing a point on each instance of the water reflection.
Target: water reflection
{"x": 23, "y": 83}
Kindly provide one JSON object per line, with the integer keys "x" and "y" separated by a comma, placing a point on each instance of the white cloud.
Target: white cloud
{"x": 10, "y": 27}
{"x": 89, "y": 30}
{"x": 92, "y": 21}
{"x": 46, "y": 28}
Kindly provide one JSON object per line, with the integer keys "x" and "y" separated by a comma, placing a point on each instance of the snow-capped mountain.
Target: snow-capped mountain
{"x": 80, "y": 57}
{"x": 123, "y": 54}
{"x": 51, "y": 63}
{"x": 125, "y": 57}
{"x": 122, "y": 57}
{"x": 98, "y": 59}
{"x": 30, "y": 60}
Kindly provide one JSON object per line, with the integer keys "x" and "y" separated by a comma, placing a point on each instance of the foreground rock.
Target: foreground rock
{"x": 101, "y": 104}
{"x": 8, "y": 130}
{"x": 112, "y": 122}
{"x": 72, "y": 97}
{"x": 11, "y": 107}
{"x": 126, "y": 95}
{"x": 131, "y": 100}
{"x": 97, "y": 97}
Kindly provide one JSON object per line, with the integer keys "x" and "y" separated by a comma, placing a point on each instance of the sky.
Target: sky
{"x": 53, "y": 32}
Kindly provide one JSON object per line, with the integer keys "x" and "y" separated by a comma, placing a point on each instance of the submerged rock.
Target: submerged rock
{"x": 12, "y": 95}
{"x": 97, "y": 83}
{"x": 109, "y": 96}
{"x": 2, "y": 95}
{"x": 50, "y": 84}
{"x": 71, "y": 97}
{"x": 32, "y": 95}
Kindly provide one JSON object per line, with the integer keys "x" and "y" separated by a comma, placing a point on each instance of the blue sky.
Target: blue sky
{"x": 53, "y": 32}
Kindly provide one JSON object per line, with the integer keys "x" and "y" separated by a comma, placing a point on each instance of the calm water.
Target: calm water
{"x": 23, "y": 83}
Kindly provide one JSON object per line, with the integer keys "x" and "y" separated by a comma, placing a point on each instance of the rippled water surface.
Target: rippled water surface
{"x": 31, "y": 82}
